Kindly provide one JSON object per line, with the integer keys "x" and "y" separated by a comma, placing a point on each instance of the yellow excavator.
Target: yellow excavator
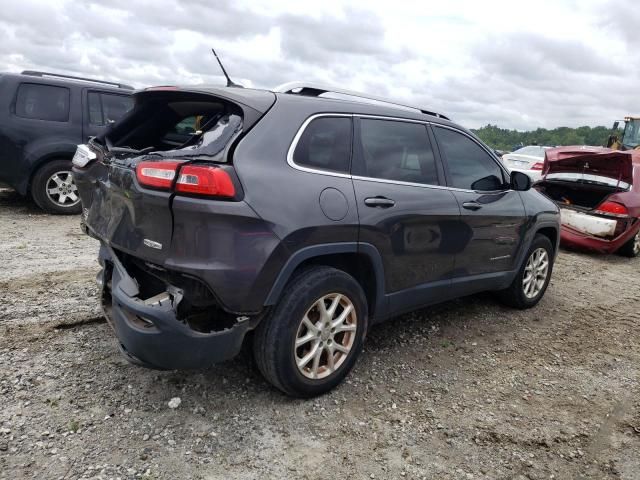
{"x": 630, "y": 137}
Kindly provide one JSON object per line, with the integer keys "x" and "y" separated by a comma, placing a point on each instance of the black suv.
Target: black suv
{"x": 301, "y": 219}
{"x": 43, "y": 118}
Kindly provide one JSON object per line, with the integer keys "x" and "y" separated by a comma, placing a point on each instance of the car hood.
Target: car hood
{"x": 603, "y": 162}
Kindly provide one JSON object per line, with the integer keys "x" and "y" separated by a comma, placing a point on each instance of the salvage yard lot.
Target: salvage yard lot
{"x": 468, "y": 389}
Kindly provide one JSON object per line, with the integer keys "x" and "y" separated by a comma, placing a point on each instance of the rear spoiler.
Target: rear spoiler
{"x": 253, "y": 103}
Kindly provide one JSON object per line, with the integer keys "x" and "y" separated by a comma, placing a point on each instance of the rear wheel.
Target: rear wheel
{"x": 313, "y": 337}
{"x": 632, "y": 247}
{"x": 532, "y": 279}
{"x": 54, "y": 190}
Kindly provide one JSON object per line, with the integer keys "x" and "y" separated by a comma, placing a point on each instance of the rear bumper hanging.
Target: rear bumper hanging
{"x": 150, "y": 332}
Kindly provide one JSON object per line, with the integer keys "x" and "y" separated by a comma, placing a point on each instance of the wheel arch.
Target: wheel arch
{"x": 552, "y": 233}
{"x": 42, "y": 161}
{"x": 360, "y": 260}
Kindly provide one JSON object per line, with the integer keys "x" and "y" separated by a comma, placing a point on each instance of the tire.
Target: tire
{"x": 53, "y": 190}
{"x": 631, "y": 249}
{"x": 518, "y": 295}
{"x": 273, "y": 344}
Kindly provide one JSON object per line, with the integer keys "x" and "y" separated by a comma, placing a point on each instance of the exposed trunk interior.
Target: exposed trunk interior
{"x": 575, "y": 193}
{"x": 175, "y": 125}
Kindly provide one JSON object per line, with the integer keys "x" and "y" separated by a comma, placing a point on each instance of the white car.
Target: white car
{"x": 529, "y": 160}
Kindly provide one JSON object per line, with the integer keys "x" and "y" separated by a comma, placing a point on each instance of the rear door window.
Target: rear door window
{"x": 105, "y": 108}
{"x": 95, "y": 109}
{"x": 395, "y": 150}
{"x": 325, "y": 145}
{"x": 470, "y": 166}
{"x": 43, "y": 102}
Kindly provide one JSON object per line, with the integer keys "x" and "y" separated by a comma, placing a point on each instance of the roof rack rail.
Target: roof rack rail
{"x": 35, "y": 73}
{"x": 316, "y": 89}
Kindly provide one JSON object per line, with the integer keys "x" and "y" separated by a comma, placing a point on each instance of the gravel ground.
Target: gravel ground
{"x": 464, "y": 390}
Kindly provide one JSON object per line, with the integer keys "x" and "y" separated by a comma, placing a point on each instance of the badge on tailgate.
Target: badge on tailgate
{"x": 152, "y": 244}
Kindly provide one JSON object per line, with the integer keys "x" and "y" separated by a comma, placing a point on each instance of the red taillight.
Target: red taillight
{"x": 537, "y": 166}
{"x": 205, "y": 180}
{"x": 157, "y": 174}
{"x": 613, "y": 208}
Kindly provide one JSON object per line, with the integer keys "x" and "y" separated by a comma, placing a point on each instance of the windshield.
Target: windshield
{"x": 631, "y": 136}
{"x": 533, "y": 150}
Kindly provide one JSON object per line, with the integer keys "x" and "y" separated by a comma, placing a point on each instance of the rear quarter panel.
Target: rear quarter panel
{"x": 286, "y": 198}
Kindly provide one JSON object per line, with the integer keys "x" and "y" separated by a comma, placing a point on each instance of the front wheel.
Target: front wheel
{"x": 531, "y": 281}
{"x": 313, "y": 337}
{"x": 54, "y": 190}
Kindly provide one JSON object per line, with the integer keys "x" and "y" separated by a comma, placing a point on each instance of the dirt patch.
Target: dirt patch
{"x": 468, "y": 389}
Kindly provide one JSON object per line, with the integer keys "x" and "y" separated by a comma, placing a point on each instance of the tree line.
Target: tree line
{"x": 503, "y": 139}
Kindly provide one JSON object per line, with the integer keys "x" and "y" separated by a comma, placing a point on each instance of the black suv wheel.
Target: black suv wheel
{"x": 312, "y": 339}
{"x": 532, "y": 279}
{"x": 54, "y": 190}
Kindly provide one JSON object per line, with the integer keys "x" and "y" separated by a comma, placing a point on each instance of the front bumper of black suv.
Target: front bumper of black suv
{"x": 150, "y": 331}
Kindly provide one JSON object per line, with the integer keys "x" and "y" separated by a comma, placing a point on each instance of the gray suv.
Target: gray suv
{"x": 296, "y": 221}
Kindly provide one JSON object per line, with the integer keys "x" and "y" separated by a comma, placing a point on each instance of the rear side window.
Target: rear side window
{"x": 325, "y": 144}
{"x": 105, "y": 108}
{"x": 43, "y": 102}
{"x": 470, "y": 166}
{"x": 399, "y": 151}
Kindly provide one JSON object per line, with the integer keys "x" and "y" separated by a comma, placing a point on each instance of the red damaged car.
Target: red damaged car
{"x": 598, "y": 192}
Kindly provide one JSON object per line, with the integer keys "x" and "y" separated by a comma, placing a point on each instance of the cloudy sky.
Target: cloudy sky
{"x": 517, "y": 64}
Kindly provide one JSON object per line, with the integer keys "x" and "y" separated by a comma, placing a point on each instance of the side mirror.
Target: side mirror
{"x": 520, "y": 181}
{"x": 615, "y": 125}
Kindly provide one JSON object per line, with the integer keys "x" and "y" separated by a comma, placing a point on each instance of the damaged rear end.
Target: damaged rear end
{"x": 160, "y": 193}
{"x": 594, "y": 188}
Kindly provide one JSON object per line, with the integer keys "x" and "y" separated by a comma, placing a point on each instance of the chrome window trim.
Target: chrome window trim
{"x": 306, "y": 123}
{"x": 400, "y": 182}
{"x": 427, "y": 185}
{"x": 296, "y": 139}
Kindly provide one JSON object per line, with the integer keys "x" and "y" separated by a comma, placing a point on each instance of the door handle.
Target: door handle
{"x": 472, "y": 205}
{"x": 379, "y": 202}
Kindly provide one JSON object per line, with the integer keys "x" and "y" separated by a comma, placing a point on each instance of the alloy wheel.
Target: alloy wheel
{"x": 325, "y": 336}
{"x": 61, "y": 189}
{"x": 535, "y": 273}
{"x": 636, "y": 244}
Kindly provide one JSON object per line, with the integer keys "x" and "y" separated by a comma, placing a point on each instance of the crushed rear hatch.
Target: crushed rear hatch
{"x": 166, "y": 125}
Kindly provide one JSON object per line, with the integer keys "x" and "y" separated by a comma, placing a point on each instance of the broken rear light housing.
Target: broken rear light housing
{"x": 195, "y": 179}
{"x": 613, "y": 209}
